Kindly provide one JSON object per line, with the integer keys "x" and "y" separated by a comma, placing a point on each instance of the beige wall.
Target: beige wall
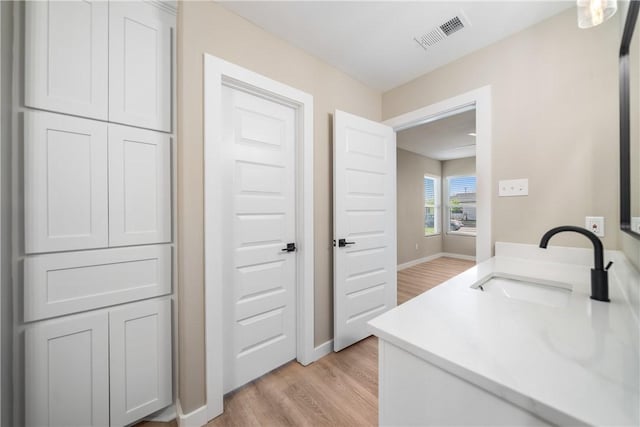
{"x": 631, "y": 246}
{"x": 411, "y": 169}
{"x": 208, "y": 27}
{"x": 555, "y": 122}
{"x": 452, "y": 243}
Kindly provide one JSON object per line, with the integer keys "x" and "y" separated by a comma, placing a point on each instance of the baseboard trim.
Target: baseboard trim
{"x": 465, "y": 257}
{"x": 410, "y": 264}
{"x": 195, "y": 418}
{"x": 163, "y": 415}
{"x": 322, "y": 350}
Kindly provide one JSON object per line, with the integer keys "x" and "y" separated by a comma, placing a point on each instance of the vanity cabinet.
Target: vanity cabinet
{"x": 108, "y": 367}
{"x": 415, "y": 392}
{"x": 103, "y": 60}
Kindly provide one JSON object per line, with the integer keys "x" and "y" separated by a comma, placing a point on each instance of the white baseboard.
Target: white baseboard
{"x": 195, "y": 418}
{"x": 410, "y": 264}
{"x": 458, "y": 256}
{"x": 322, "y": 350}
{"x": 164, "y": 415}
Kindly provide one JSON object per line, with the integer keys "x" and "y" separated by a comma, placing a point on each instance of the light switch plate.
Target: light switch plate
{"x": 595, "y": 224}
{"x": 513, "y": 187}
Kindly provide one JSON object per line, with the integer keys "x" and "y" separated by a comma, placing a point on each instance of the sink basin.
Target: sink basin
{"x": 538, "y": 291}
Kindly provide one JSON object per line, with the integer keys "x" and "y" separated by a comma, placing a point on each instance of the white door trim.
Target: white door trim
{"x": 216, "y": 73}
{"x": 481, "y": 98}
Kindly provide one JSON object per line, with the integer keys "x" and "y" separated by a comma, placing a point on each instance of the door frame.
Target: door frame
{"x": 217, "y": 73}
{"x": 480, "y": 99}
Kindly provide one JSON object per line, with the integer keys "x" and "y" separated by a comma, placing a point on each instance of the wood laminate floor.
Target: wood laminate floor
{"x": 341, "y": 389}
{"x": 422, "y": 277}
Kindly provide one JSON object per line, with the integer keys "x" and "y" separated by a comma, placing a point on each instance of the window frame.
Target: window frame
{"x": 437, "y": 205}
{"x": 447, "y": 205}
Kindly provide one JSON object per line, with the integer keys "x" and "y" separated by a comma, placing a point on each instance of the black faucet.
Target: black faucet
{"x": 599, "y": 274}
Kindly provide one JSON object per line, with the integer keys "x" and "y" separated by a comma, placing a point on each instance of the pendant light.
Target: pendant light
{"x": 595, "y": 12}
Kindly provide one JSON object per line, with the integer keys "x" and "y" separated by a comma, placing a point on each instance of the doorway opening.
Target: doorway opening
{"x": 444, "y": 181}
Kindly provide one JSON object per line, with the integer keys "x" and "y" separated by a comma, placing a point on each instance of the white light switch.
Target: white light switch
{"x": 513, "y": 187}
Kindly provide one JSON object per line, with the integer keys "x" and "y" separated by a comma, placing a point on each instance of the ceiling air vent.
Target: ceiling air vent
{"x": 442, "y": 31}
{"x": 451, "y": 26}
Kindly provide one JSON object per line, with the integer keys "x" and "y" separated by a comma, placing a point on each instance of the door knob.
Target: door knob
{"x": 291, "y": 247}
{"x": 343, "y": 242}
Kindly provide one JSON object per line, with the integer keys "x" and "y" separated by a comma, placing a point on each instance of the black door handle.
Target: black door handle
{"x": 343, "y": 242}
{"x": 291, "y": 247}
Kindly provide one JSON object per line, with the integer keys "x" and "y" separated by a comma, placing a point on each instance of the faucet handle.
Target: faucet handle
{"x": 609, "y": 265}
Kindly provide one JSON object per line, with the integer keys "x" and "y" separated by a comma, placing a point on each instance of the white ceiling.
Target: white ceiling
{"x": 374, "y": 41}
{"x": 444, "y": 139}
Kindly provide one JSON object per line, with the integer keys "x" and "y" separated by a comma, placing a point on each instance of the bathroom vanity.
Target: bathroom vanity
{"x": 515, "y": 340}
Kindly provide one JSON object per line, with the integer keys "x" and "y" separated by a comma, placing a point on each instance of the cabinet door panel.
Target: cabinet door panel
{"x": 67, "y": 372}
{"x": 140, "y": 356}
{"x": 70, "y": 282}
{"x": 65, "y": 183}
{"x": 140, "y": 65}
{"x": 139, "y": 186}
{"x": 66, "y": 57}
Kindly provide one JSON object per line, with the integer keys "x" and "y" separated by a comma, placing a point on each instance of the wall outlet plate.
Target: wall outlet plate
{"x": 595, "y": 224}
{"x": 513, "y": 187}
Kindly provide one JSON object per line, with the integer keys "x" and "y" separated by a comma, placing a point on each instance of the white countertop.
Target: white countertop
{"x": 576, "y": 364}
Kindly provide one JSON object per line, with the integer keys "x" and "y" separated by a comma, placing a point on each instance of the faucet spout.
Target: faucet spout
{"x": 597, "y": 244}
{"x": 599, "y": 275}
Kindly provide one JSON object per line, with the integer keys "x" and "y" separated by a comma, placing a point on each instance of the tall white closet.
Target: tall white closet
{"x": 98, "y": 141}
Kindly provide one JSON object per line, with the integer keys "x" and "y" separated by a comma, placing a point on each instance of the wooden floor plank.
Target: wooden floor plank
{"x": 341, "y": 389}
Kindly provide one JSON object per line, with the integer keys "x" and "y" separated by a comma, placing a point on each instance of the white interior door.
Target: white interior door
{"x": 259, "y": 214}
{"x": 364, "y": 222}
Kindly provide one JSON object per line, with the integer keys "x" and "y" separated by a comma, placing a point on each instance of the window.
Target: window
{"x": 461, "y": 205}
{"x": 431, "y": 205}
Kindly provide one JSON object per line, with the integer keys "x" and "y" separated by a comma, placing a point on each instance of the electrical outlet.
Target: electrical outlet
{"x": 635, "y": 223}
{"x": 513, "y": 187}
{"x": 595, "y": 224}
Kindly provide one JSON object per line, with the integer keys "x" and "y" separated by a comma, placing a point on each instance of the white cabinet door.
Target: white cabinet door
{"x": 65, "y": 183}
{"x": 140, "y": 356}
{"x": 140, "y": 65}
{"x": 66, "y": 57}
{"x": 67, "y": 372}
{"x": 139, "y": 186}
{"x": 71, "y": 282}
